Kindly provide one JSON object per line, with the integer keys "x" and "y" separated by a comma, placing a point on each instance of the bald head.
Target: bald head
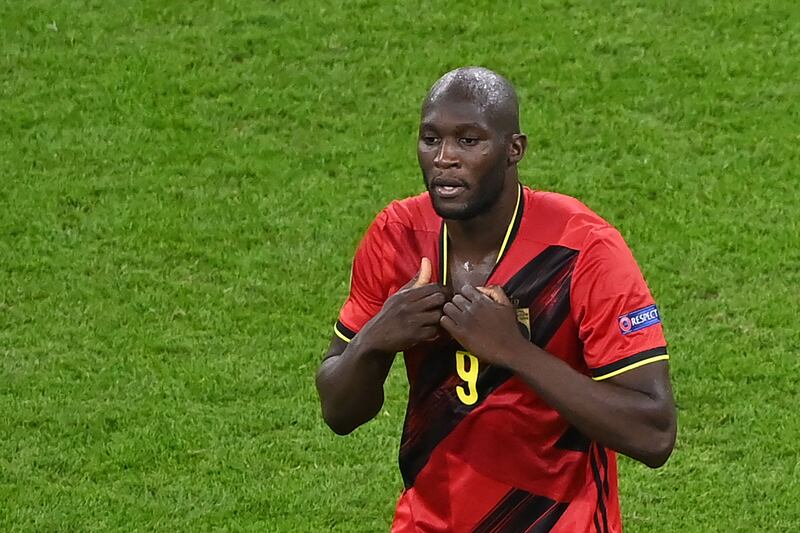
{"x": 491, "y": 92}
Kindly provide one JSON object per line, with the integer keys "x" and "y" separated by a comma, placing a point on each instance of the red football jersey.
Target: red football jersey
{"x": 480, "y": 450}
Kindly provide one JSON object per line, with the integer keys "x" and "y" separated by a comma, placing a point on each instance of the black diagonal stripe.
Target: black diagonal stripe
{"x": 519, "y": 511}
{"x": 546, "y": 523}
{"x": 525, "y": 519}
{"x": 546, "y": 322}
{"x": 601, "y": 504}
{"x": 573, "y": 440}
{"x": 604, "y": 461}
{"x": 543, "y": 285}
{"x": 513, "y": 499}
{"x": 529, "y": 281}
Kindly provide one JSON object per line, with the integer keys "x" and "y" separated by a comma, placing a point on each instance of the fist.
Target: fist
{"x": 411, "y": 315}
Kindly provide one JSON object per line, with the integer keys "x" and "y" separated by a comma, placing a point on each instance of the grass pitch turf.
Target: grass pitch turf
{"x": 183, "y": 184}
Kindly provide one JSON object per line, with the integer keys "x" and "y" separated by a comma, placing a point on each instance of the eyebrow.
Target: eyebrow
{"x": 465, "y": 125}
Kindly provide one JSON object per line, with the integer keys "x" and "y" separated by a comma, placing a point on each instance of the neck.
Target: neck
{"x": 483, "y": 234}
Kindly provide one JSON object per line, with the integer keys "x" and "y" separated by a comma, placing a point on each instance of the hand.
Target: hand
{"x": 484, "y": 322}
{"x": 409, "y": 316}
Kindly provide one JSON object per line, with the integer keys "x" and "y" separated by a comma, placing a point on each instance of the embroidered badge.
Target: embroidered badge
{"x": 524, "y": 321}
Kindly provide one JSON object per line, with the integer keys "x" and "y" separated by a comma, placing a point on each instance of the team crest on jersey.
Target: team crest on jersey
{"x": 524, "y": 321}
{"x": 639, "y": 319}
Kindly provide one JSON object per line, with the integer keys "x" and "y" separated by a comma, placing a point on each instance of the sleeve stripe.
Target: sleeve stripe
{"x": 343, "y": 332}
{"x": 629, "y": 363}
{"x": 631, "y": 367}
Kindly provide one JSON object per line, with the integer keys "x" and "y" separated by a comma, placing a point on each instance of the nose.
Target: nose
{"x": 446, "y": 156}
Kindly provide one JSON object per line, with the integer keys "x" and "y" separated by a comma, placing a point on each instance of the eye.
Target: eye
{"x": 430, "y": 140}
{"x": 469, "y": 141}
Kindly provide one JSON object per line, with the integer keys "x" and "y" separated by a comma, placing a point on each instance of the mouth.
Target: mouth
{"x": 447, "y": 187}
{"x": 448, "y": 191}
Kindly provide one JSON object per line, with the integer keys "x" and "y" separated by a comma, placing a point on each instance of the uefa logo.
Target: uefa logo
{"x": 624, "y": 324}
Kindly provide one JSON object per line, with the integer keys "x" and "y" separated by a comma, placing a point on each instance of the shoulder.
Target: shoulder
{"x": 562, "y": 220}
{"x": 409, "y": 215}
{"x": 415, "y": 212}
{"x": 401, "y": 234}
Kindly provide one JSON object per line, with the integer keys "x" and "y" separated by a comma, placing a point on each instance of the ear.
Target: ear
{"x": 517, "y": 148}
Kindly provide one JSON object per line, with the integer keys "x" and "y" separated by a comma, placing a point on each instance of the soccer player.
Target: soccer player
{"x": 533, "y": 346}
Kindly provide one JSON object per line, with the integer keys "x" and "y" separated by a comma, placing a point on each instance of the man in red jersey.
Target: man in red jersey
{"x": 533, "y": 346}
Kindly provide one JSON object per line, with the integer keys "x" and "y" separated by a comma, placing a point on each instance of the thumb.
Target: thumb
{"x": 496, "y": 293}
{"x": 424, "y": 274}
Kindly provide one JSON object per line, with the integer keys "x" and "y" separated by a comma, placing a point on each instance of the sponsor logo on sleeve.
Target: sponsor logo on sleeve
{"x": 639, "y": 319}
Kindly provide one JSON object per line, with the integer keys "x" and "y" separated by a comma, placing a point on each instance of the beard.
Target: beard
{"x": 481, "y": 198}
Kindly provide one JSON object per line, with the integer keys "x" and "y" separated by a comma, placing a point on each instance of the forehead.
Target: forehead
{"x": 450, "y": 113}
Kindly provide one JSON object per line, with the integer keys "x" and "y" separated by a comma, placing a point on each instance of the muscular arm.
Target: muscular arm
{"x": 350, "y": 383}
{"x": 633, "y": 413}
{"x": 351, "y": 377}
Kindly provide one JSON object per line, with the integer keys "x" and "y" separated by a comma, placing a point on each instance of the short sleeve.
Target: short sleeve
{"x": 617, "y": 318}
{"x": 367, "y": 292}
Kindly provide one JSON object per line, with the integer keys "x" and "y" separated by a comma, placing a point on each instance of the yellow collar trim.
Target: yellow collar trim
{"x": 502, "y": 246}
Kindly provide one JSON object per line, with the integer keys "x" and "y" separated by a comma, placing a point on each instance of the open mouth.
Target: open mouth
{"x": 448, "y": 191}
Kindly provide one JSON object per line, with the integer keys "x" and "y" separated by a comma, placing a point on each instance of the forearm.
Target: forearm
{"x": 350, "y": 385}
{"x": 626, "y": 420}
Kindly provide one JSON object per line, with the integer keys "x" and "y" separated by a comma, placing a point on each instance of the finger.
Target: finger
{"x": 450, "y": 326}
{"x": 423, "y": 292}
{"x": 451, "y": 310}
{"x": 431, "y": 318}
{"x": 424, "y": 274}
{"x": 496, "y": 293}
{"x": 471, "y": 293}
{"x": 460, "y": 302}
{"x": 434, "y": 300}
{"x": 415, "y": 281}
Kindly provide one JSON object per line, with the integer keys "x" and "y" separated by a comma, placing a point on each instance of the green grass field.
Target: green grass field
{"x": 182, "y": 185}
